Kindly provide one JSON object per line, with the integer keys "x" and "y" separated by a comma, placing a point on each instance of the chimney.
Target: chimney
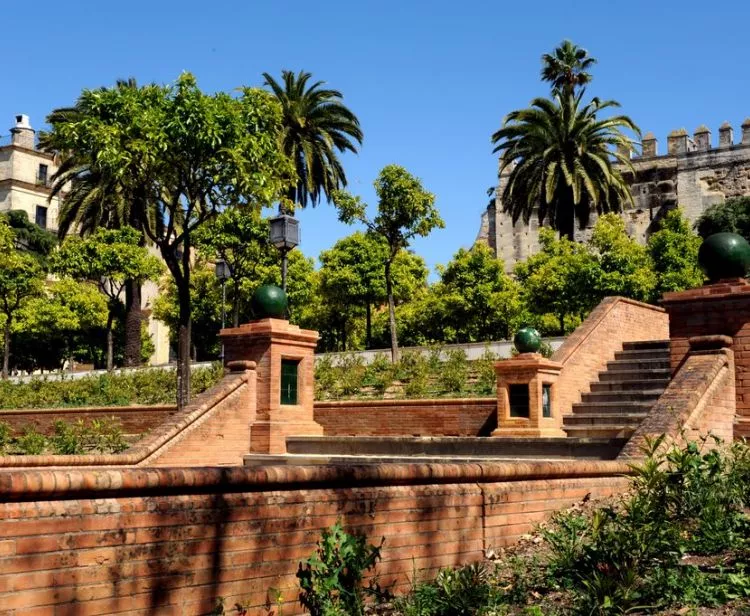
{"x": 22, "y": 134}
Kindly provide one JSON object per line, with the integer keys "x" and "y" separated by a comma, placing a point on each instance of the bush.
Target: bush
{"x": 413, "y": 370}
{"x": 97, "y": 436}
{"x": 485, "y": 370}
{"x": 454, "y": 373}
{"x": 351, "y": 374}
{"x": 331, "y": 579}
{"x": 325, "y": 378}
{"x": 379, "y": 374}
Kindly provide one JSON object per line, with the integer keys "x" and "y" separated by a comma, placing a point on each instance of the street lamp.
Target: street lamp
{"x": 284, "y": 235}
{"x": 223, "y": 273}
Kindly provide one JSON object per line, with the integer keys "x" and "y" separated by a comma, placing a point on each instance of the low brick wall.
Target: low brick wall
{"x": 170, "y": 541}
{"x": 436, "y": 417}
{"x": 587, "y": 350}
{"x": 133, "y": 419}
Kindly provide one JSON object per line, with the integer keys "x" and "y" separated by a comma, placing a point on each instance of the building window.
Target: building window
{"x": 546, "y": 400}
{"x": 41, "y": 177}
{"x": 519, "y": 400}
{"x": 41, "y": 216}
{"x": 289, "y": 371}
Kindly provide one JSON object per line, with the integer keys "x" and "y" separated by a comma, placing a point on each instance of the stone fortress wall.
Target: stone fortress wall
{"x": 692, "y": 174}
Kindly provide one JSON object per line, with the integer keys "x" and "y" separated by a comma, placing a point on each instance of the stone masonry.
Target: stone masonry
{"x": 692, "y": 174}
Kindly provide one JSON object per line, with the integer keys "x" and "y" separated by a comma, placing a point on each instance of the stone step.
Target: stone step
{"x": 625, "y": 365}
{"x": 600, "y": 408}
{"x": 642, "y": 354}
{"x": 603, "y": 419}
{"x": 645, "y": 344}
{"x": 658, "y": 374}
{"x": 628, "y": 386}
{"x": 607, "y": 431}
{"x": 646, "y": 395}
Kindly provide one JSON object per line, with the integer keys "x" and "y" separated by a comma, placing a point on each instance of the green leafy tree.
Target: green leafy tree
{"x": 30, "y": 237}
{"x": 566, "y": 68}
{"x": 674, "y": 253}
{"x": 481, "y": 301}
{"x": 560, "y": 153}
{"x": 624, "y": 266}
{"x": 198, "y": 154}
{"x": 20, "y": 279}
{"x": 731, "y": 216}
{"x": 108, "y": 258}
{"x": 316, "y": 124}
{"x": 405, "y": 210}
{"x": 559, "y": 278}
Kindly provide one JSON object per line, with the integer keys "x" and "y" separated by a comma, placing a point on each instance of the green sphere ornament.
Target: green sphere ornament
{"x": 527, "y": 340}
{"x": 724, "y": 255}
{"x": 269, "y": 301}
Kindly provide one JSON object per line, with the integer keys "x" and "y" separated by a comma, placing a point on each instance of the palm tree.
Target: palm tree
{"x": 560, "y": 157}
{"x": 566, "y": 67}
{"x": 316, "y": 124}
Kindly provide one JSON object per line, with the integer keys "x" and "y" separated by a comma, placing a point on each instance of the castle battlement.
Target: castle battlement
{"x": 680, "y": 142}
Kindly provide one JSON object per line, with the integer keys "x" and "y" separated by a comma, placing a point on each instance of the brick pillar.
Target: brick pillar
{"x": 526, "y": 377}
{"x": 269, "y": 342}
{"x": 722, "y": 308}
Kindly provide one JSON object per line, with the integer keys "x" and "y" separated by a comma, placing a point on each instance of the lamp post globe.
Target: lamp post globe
{"x": 284, "y": 234}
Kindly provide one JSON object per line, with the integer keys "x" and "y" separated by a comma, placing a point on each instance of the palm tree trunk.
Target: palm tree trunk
{"x": 133, "y": 321}
{"x": 391, "y": 313}
{"x": 6, "y": 347}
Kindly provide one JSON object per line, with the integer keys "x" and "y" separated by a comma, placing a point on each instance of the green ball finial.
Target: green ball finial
{"x": 527, "y": 340}
{"x": 269, "y": 301}
{"x": 724, "y": 255}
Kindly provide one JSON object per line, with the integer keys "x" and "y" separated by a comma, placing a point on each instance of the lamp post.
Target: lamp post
{"x": 223, "y": 273}
{"x": 284, "y": 234}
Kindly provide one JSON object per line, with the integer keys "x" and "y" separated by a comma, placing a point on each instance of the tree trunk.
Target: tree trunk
{"x": 236, "y": 305}
{"x": 391, "y": 313}
{"x": 185, "y": 323}
{"x": 6, "y": 347}
{"x": 110, "y": 342}
{"x": 368, "y": 314}
{"x": 561, "y": 318}
{"x": 133, "y": 320}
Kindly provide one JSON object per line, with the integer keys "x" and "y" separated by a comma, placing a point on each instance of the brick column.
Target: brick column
{"x": 268, "y": 342}
{"x": 527, "y": 374}
{"x": 720, "y": 309}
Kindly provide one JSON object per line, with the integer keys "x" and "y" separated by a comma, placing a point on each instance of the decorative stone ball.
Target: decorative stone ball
{"x": 269, "y": 301}
{"x": 527, "y": 340}
{"x": 724, "y": 255}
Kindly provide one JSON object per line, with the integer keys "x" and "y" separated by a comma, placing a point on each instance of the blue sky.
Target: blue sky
{"x": 429, "y": 80}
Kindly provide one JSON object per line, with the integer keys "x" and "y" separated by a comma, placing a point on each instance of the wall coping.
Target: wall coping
{"x": 722, "y": 290}
{"x": 584, "y": 331}
{"x": 55, "y": 410}
{"x": 391, "y": 402}
{"x": 71, "y": 484}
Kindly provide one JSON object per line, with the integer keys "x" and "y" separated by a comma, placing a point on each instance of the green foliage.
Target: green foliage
{"x": 413, "y": 370}
{"x": 486, "y": 376}
{"x": 674, "y": 253}
{"x": 77, "y": 438}
{"x": 379, "y": 374}
{"x": 331, "y": 579}
{"x": 146, "y": 386}
{"x": 29, "y": 236}
{"x": 454, "y": 372}
{"x": 732, "y": 216}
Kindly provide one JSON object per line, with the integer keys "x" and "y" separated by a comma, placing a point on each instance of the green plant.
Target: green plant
{"x": 331, "y": 579}
{"x": 379, "y": 374}
{"x": 325, "y": 378}
{"x": 351, "y": 373}
{"x": 485, "y": 370}
{"x": 454, "y": 372}
{"x": 414, "y": 371}
{"x": 31, "y": 442}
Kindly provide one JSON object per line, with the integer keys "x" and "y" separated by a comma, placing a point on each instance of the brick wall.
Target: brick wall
{"x": 439, "y": 417}
{"x": 717, "y": 309}
{"x": 699, "y": 400}
{"x": 587, "y": 350}
{"x": 133, "y": 419}
{"x": 169, "y": 541}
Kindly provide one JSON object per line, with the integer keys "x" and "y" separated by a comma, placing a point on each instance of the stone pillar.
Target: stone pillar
{"x": 702, "y": 137}
{"x": 719, "y": 309}
{"x": 677, "y": 142}
{"x": 726, "y": 135}
{"x": 746, "y": 132}
{"x": 284, "y": 355}
{"x": 527, "y": 397}
{"x": 649, "y": 146}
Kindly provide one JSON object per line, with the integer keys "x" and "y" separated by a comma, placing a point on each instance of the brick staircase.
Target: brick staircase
{"x": 624, "y": 393}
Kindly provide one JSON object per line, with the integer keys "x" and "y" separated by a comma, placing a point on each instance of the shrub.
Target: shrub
{"x": 485, "y": 369}
{"x": 414, "y": 371}
{"x": 379, "y": 374}
{"x": 98, "y": 436}
{"x": 351, "y": 374}
{"x": 454, "y": 372}
{"x": 331, "y": 579}
{"x": 325, "y": 378}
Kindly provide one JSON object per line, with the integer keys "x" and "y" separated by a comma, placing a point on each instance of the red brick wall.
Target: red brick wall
{"x": 718, "y": 309}
{"x": 133, "y": 419}
{"x": 169, "y": 541}
{"x": 439, "y": 417}
{"x": 587, "y": 350}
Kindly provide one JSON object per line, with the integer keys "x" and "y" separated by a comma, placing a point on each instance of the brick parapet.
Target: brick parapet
{"x": 587, "y": 350}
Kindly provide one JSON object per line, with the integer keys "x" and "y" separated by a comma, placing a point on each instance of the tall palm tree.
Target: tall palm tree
{"x": 316, "y": 125}
{"x": 561, "y": 160}
{"x": 566, "y": 68}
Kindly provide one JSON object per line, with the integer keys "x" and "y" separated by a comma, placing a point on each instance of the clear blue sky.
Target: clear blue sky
{"x": 429, "y": 80}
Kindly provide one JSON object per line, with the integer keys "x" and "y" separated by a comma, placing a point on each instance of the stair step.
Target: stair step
{"x": 621, "y": 431}
{"x": 645, "y": 344}
{"x": 642, "y": 354}
{"x": 635, "y": 375}
{"x": 625, "y": 365}
{"x": 604, "y": 420}
{"x": 615, "y": 408}
{"x": 646, "y": 395}
{"x": 628, "y": 386}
